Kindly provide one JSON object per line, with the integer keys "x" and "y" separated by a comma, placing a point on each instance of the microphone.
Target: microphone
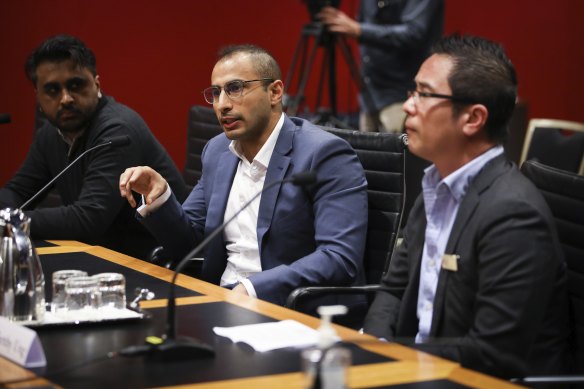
{"x": 116, "y": 141}
{"x": 172, "y": 347}
{"x": 4, "y": 118}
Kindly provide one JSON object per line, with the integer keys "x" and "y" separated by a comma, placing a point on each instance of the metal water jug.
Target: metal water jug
{"x": 22, "y": 283}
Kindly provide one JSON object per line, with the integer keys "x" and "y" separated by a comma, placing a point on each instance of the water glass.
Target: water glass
{"x": 82, "y": 293}
{"x": 59, "y": 279}
{"x": 112, "y": 287}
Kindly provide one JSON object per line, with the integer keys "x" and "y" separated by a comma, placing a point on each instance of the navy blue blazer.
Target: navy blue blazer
{"x": 306, "y": 236}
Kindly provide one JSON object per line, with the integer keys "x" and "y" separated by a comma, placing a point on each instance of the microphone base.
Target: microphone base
{"x": 180, "y": 349}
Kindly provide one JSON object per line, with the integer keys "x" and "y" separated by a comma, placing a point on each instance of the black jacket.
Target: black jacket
{"x": 93, "y": 211}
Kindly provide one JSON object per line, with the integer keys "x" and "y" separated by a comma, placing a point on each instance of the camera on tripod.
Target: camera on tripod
{"x": 316, "y": 37}
{"x": 314, "y": 6}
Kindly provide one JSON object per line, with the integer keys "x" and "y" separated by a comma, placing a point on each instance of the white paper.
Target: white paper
{"x": 21, "y": 345}
{"x": 271, "y": 336}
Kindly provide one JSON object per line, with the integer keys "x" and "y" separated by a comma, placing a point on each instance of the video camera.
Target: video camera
{"x": 314, "y": 6}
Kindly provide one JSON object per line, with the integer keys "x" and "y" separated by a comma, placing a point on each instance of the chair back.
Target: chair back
{"x": 556, "y": 143}
{"x": 203, "y": 125}
{"x": 564, "y": 193}
{"x": 382, "y": 158}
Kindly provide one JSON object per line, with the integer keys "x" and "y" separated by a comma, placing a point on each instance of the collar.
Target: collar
{"x": 458, "y": 181}
{"x": 263, "y": 156}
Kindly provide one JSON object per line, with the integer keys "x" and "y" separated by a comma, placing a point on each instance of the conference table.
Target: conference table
{"x": 80, "y": 352}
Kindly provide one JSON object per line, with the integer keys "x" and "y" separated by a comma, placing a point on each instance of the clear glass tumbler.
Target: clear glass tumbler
{"x": 82, "y": 293}
{"x": 59, "y": 278}
{"x": 112, "y": 287}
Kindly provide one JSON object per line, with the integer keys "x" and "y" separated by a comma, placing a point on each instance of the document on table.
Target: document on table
{"x": 271, "y": 336}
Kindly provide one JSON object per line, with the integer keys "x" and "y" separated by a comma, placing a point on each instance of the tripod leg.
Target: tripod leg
{"x": 332, "y": 76}
{"x": 355, "y": 74}
{"x": 293, "y": 108}
{"x": 321, "y": 79}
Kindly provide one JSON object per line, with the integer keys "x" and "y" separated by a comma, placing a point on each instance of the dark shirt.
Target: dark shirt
{"x": 92, "y": 209}
{"x": 396, "y": 37}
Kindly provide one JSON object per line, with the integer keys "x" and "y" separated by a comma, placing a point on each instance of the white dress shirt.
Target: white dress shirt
{"x": 241, "y": 239}
{"x": 243, "y": 257}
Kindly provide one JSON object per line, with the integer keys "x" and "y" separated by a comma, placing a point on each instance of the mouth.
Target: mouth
{"x": 230, "y": 122}
{"x": 68, "y": 114}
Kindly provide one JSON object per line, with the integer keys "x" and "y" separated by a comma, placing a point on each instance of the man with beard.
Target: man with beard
{"x": 79, "y": 116}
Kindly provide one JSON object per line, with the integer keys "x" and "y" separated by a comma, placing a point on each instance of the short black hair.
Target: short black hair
{"x": 481, "y": 72}
{"x": 263, "y": 62}
{"x": 57, "y": 49}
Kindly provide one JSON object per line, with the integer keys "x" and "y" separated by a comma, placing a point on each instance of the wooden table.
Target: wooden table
{"x": 200, "y": 307}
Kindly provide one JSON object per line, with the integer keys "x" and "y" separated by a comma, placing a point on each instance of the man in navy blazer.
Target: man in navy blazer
{"x": 480, "y": 276}
{"x": 290, "y": 237}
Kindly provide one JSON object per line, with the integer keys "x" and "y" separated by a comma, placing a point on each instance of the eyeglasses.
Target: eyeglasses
{"x": 233, "y": 89}
{"x": 417, "y": 95}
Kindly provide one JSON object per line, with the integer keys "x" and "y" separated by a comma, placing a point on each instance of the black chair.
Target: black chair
{"x": 202, "y": 126}
{"x": 564, "y": 193}
{"x": 383, "y": 158}
{"x": 557, "y": 143}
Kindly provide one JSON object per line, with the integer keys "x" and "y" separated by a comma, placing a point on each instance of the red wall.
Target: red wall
{"x": 156, "y": 56}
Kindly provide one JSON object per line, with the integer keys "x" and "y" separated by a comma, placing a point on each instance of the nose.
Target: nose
{"x": 66, "y": 97}
{"x": 409, "y": 105}
{"x": 223, "y": 102}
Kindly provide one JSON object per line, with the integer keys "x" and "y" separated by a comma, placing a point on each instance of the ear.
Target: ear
{"x": 276, "y": 91}
{"x": 475, "y": 119}
{"x": 98, "y": 86}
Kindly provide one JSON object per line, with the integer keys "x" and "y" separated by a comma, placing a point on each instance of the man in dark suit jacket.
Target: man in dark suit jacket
{"x": 293, "y": 236}
{"x": 480, "y": 277}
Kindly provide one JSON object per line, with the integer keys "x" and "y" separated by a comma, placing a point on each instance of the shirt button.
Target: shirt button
{"x": 428, "y": 307}
{"x": 431, "y": 263}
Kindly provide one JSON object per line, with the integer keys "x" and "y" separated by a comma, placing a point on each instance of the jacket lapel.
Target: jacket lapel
{"x": 277, "y": 168}
{"x": 220, "y": 188}
{"x": 471, "y": 200}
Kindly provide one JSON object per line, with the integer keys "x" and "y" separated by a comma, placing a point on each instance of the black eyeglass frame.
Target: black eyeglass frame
{"x": 243, "y": 83}
{"x": 456, "y": 99}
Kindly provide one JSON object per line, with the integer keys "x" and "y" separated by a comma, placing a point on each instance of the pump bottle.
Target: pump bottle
{"x": 325, "y": 366}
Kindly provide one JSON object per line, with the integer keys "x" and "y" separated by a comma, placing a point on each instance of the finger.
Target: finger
{"x": 130, "y": 181}
{"x": 157, "y": 190}
{"x": 123, "y": 181}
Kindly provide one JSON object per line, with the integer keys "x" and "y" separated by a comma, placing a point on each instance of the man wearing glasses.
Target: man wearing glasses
{"x": 480, "y": 277}
{"x": 290, "y": 236}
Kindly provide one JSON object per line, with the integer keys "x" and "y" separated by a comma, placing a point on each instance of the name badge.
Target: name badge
{"x": 450, "y": 262}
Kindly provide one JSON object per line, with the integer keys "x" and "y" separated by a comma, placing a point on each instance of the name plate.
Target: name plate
{"x": 21, "y": 345}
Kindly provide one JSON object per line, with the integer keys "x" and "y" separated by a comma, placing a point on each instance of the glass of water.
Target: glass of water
{"x": 59, "y": 278}
{"x": 112, "y": 287}
{"x": 82, "y": 293}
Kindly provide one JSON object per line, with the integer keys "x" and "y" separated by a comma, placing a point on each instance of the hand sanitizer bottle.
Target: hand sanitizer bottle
{"x": 325, "y": 366}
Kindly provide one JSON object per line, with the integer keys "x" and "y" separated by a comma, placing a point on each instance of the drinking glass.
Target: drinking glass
{"x": 112, "y": 287}
{"x": 82, "y": 293}
{"x": 59, "y": 278}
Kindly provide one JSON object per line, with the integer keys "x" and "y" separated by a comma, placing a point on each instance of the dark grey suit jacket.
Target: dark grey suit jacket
{"x": 504, "y": 311}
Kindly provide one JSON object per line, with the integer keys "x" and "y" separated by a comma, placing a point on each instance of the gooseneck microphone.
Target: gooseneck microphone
{"x": 181, "y": 348}
{"x": 116, "y": 141}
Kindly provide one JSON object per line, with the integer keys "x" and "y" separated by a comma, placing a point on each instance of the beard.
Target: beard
{"x": 71, "y": 120}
